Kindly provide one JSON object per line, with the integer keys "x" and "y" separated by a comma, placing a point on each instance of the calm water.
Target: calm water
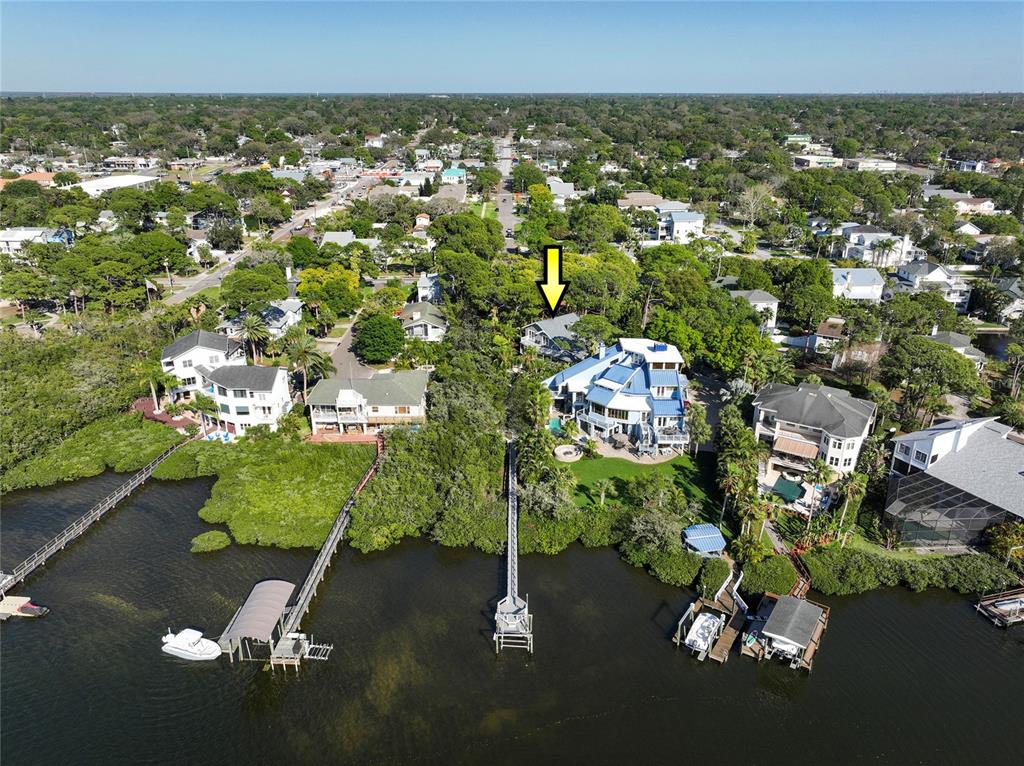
{"x": 902, "y": 678}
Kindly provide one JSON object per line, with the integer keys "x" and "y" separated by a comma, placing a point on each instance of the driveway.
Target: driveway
{"x": 346, "y": 363}
{"x": 707, "y": 394}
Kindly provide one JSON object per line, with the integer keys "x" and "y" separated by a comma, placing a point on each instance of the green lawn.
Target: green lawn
{"x": 484, "y": 209}
{"x": 695, "y": 475}
{"x": 339, "y": 330}
{"x": 859, "y": 543}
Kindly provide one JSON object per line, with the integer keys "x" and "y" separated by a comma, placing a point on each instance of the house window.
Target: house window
{"x": 265, "y": 410}
{"x": 186, "y": 362}
{"x": 903, "y": 449}
{"x": 214, "y": 359}
{"x": 847, "y": 462}
{"x": 239, "y": 393}
{"x": 833, "y": 461}
{"x": 241, "y": 410}
{"x": 374, "y": 409}
{"x": 225, "y": 409}
{"x": 837, "y": 444}
{"x": 618, "y": 414}
{"x": 402, "y": 410}
{"x": 188, "y": 382}
{"x": 262, "y": 397}
{"x": 222, "y": 391}
{"x": 920, "y": 456}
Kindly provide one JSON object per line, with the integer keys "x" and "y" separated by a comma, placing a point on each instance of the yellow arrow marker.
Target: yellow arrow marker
{"x": 552, "y": 287}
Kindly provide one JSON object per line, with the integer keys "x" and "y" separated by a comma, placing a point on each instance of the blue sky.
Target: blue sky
{"x": 512, "y": 47}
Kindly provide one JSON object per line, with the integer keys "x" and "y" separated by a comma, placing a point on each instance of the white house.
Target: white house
{"x": 764, "y": 303}
{"x": 807, "y": 422}
{"x": 130, "y": 163}
{"x": 430, "y": 166}
{"x": 634, "y": 391}
{"x": 373, "y": 141}
{"x": 951, "y": 481}
{"x": 423, "y": 320}
{"x": 857, "y": 284}
{"x": 683, "y": 226}
{"x": 925, "y": 276}
{"x": 453, "y": 176}
{"x": 428, "y": 288}
{"x": 563, "y": 191}
{"x": 802, "y": 161}
{"x": 870, "y": 163}
{"x": 340, "y": 405}
{"x": 966, "y": 227}
{"x": 278, "y": 316}
{"x": 975, "y": 206}
{"x": 187, "y": 354}
{"x": 12, "y": 240}
{"x": 247, "y": 395}
{"x": 1013, "y": 288}
{"x": 877, "y": 246}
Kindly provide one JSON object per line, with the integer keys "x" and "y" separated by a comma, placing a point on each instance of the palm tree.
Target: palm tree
{"x": 204, "y": 406}
{"x": 854, "y": 486}
{"x": 779, "y": 368}
{"x": 604, "y": 487}
{"x": 771, "y": 507}
{"x": 303, "y": 354}
{"x": 571, "y": 429}
{"x": 820, "y": 473}
{"x": 253, "y": 330}
{"x": 150, "y": 372}
{"x": 883, "y": 247}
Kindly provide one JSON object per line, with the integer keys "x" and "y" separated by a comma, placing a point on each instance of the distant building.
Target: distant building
{"x": 130, "y": 163}
{"x": 870, "y": 163}
{"x": 373, "y": 141}
{"x": 684, "y": 226}
{"x": 641, "y": 200}
{"x": 428, "y": 288}
{"x": 950, "y": 482}
{"x": 453, "y": 176}
{"x": 14, "y": 239}
{"x": 563, "y": 191}
{"x": 975, "y": 206}
{"x": 278, "y": 316}
{"x": 764, "y": 303}
{"x": 961, "y": 344}
{"x": 876, "y": 246}
{"x": 925, "y": 276}
{"x": 857, "y": 284}
{"x": 804, "y": 161}
{"x": 95, "y": 187}
{"x": 1013, "y": 288}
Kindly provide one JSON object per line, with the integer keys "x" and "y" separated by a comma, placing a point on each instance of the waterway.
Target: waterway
{"x": 901, "y": 677}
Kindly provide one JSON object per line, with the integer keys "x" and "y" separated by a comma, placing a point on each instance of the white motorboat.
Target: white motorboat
{"x": 705, "y": 629}
{"x": 189, "y": 644}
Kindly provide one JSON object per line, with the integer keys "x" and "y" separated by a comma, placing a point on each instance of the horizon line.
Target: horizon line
{"x": 449, "y": 94}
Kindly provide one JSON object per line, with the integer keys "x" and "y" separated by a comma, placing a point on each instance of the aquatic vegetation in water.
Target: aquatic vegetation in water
{"x": 213, "y": 540}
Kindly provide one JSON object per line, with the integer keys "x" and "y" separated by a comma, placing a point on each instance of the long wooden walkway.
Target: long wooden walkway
{"x": 513, "y": 623}
{"x": 76, "y": 529}
{"x": 297, "y": 610}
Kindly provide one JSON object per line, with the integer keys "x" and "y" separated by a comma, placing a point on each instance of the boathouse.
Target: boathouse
{"x": 258, "y": 621}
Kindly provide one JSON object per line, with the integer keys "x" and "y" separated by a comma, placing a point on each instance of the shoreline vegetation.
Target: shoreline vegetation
{"x": 122, "y": 443}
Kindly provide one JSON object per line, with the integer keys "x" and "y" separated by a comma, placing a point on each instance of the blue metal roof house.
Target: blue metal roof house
{"x": 633, "y": 391}
{"x": 705, "y": 539}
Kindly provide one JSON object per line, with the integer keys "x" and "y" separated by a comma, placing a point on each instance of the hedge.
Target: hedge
{"x": 775, "y": 574}
{"x": 712, "y": 575}
{"x": 679, "y": 568}
{"x": 839, "y": 571}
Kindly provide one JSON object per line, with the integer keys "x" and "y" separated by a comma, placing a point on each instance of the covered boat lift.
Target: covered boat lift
{"x": 258, "y": 621}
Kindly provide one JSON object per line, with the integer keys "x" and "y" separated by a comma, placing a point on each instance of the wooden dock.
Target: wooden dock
{"x": 757, "y": 650}
{"x": 77, "y": 528}
{"x": 727, "y": 603}
{"x": 1004, "y": 609}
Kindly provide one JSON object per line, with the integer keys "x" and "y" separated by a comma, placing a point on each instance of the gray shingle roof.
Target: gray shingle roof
{"x": 253, "y": 378}
{"x": 404, "y": 388}
{"x": 202, "y": 338}
{"x": 957, "y": 341}
{"x": 754, "y": 296}
{"x": 428, "y": 312}
{"x": 830, "y": 409}
{"x": 989, "y": 466}
{"x": 557, "y": 327}
{"x": 793, "y": 620}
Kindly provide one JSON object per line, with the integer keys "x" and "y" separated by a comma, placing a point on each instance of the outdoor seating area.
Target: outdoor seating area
{"x": 795, "y": 495}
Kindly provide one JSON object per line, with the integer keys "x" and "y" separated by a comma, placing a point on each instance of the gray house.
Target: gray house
{"x": 553, "y": 338}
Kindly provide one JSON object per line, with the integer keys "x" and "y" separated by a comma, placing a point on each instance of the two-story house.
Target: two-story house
{"x": 187, "y": 354}
{"x": 247, "y": 395}
{"x": 857, "y": 284}
{"x": 552, "y": 337}
{"x": 948, "y": 483}
{"x": 424, "y": 321}
{"x": 764, "y": 303}
{"x": 428, "y": 287}
{"x": 807, "y": 422}
{"x": 342, "y": 405}
{"x": 634, "y": 391}
{"x": 876, "y": 246}
{"x": 921, "y": 275}
{"x": 278, "y": 316}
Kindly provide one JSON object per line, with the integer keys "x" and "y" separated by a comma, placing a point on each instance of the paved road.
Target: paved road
{"x": 504, "y": 201}
{"x": 346, "y": 364}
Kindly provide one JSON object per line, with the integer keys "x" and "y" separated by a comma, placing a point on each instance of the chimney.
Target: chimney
{"x": 935, "y": 329}
{"x": 600, "y": 349}
{"x": 288, "y": 273}
{"x": 293, "y": 282}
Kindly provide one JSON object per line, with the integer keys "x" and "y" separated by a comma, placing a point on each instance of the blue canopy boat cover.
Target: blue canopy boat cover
{"x": 704, "y": 538}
